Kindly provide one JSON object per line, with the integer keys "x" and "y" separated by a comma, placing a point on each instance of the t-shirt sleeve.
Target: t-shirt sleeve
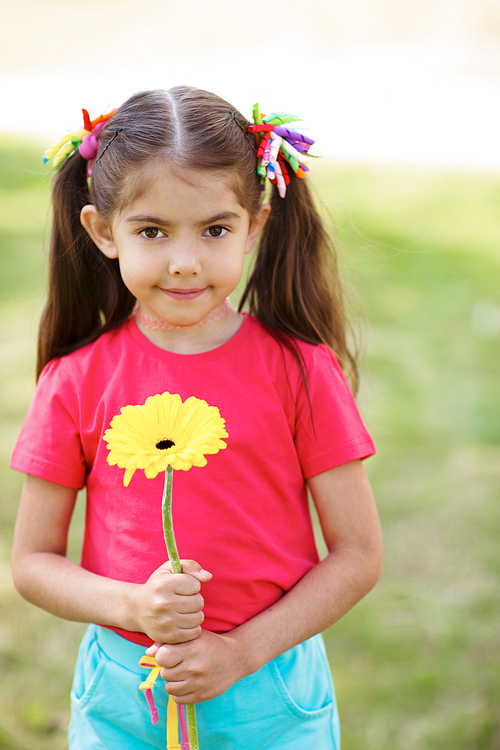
{"x": 49, "y": 445}
{"x": 328, "y": 428}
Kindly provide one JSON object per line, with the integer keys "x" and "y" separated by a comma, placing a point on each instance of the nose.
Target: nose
{"x": 184, "y": 260}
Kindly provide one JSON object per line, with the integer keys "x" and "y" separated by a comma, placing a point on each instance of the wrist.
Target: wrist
{"x": 249, "y": 655}
{"x": 128, "y": 613}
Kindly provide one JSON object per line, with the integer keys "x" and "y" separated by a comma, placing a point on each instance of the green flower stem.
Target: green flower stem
{"x": 191, "y": 725}
{"x": 173, "y": 556}
{"x": 168, "y": 528}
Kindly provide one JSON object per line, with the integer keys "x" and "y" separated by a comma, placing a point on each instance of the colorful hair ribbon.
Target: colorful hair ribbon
{"x": 84, "y": 139}
{"x": 279, "y": 146}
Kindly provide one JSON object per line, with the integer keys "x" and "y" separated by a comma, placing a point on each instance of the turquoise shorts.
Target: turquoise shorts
{"x": 288, "y": 704}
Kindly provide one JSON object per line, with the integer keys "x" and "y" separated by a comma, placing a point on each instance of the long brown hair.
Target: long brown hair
{"x": 294, "y": 289}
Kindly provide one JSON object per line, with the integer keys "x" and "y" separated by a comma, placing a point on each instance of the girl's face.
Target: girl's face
{"x": 180, "y": 242}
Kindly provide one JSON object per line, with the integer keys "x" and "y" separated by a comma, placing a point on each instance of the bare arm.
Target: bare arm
{"x": 43, "y": 574}
{"x": 204, "y": 668}
{"x": 351, "y": 528}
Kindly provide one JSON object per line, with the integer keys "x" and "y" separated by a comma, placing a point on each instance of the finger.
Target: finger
{"x": 182, "y": 635}
{"x": 152, "y": 650}
{"x": 178, "y": 688}
{"x": 189, "y": 604}
{"x": 174, "y": 675}
{"x": 168, "y": 657}
{"x": 190, "y": 621}
{"x": 179, "y": 680}
{"x": 189, "y": 567}
{"x": 179, "y": 695}
{"x": 194, "y": 569}
{"x": 186, "y": 584}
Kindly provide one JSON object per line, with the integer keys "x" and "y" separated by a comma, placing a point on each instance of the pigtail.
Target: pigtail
{"x": 86, "y": 294}
{"x": 295, "y": 289}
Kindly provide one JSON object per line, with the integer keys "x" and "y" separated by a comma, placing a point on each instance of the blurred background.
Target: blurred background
{"x": 404, "y": 101}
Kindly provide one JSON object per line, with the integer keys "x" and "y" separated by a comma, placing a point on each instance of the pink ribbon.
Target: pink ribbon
{"x": 89, "y": 146}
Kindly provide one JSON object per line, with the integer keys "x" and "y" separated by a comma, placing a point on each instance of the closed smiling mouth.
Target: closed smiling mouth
{"x": 183, "y": 293}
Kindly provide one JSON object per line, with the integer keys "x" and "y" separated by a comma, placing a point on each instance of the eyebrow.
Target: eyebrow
{"x": 145, "y": 219}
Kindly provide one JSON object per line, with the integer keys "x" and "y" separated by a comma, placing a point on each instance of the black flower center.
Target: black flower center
{"x": 164, "y": 445}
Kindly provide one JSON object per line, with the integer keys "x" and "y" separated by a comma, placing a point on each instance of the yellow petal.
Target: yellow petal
{"x": 195, "y": 428}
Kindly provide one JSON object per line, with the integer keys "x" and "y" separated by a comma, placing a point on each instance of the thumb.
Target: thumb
{"x": 192, "y": 568}
{"x": 152, "y": 650}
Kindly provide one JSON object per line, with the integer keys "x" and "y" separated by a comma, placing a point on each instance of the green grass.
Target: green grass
{"x": 415, "y": 662}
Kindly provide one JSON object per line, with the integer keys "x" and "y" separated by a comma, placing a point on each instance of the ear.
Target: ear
{"x": 257, "y": 225}
{"x": 99, "y": 231}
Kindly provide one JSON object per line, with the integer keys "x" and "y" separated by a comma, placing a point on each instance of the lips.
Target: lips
{"x": 183, "y": 294}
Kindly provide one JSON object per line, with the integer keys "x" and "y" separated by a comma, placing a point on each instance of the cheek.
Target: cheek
{"x": 138, "y": 268}
{"x": 134, "y": 275}
{"x": 231, "y": 271}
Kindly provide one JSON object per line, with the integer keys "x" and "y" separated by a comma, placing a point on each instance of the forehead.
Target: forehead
{"x": 176, "y": 187}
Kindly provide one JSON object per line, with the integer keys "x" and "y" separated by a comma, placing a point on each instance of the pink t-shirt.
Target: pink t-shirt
{"x": 244, "y": 516}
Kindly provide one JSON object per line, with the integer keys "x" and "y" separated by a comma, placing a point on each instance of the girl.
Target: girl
{"x": 144, "y": 255}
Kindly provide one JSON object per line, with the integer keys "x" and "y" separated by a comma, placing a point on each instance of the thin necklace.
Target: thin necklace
{"x": 158, "y": 324}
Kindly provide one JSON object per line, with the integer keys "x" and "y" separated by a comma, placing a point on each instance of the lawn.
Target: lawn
{"x": 414, "y": 663}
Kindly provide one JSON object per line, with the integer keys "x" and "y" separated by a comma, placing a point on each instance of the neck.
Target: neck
{"x": 208, "y": 334}
{"x": 158, "y": 324}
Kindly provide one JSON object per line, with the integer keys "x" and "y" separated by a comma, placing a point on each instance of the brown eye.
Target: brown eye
{"x": 151, "y": 233}
{"x": 216, "y": 231}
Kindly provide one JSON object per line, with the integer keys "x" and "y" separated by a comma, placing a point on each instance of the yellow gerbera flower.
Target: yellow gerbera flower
{"x": 165, "y": 431}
